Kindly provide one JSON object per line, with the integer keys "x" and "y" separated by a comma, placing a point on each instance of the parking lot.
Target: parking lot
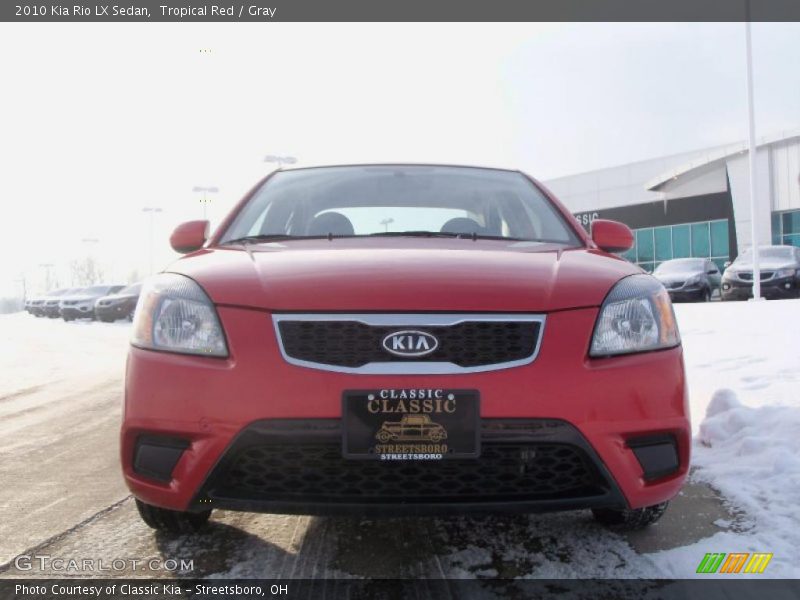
{"x": 59, "y": 416}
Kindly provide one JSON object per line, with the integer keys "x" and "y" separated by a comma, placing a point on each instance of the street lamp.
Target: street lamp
{"x": 281, "y": 160}
{"x": 47, "y": 277}
{"x": 386, "y": 222}
{"x": 205, "y": 190}
{"x": 752, "y": 149}
{"x": 151, "y": 211}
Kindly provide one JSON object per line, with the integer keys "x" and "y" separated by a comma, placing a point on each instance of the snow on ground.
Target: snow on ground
{"x": 743, "y": 363}
{"x": 38, "y": 352}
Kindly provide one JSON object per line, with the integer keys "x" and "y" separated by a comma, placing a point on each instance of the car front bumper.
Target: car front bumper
{"x": 786, "y": 287}
{"x": 51, "y": 311}
{"x": 197, "y": 414}
{"x": 688, "y": 294}
{"x": 115, "y": 311}
{"x": 77, "y": 312}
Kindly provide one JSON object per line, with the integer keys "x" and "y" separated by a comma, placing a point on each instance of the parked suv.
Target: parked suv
{"x": 119, "y": 305}
{"x": 52, "y": 302}
{"x": 694, "y": 279}
{"x": 81, "y": 304}
{"x": 780, "y": 274}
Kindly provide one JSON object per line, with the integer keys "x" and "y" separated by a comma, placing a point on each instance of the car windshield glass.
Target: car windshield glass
{"x": 780, "y": 252}
{"x": 131, "y": 289}
{"x": 96, "y": 289}
{"x": 400, "y": 201}
{"x": 680, "y": 266}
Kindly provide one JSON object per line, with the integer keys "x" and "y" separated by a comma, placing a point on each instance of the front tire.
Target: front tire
{"x": 706, "y": 295}
{"x": 172, "y": 521}
{"x": 630, "y": 519}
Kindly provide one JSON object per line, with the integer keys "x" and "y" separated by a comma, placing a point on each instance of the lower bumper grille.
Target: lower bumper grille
{"x": 503, "y": 470}
{"x": 271, "y": 465}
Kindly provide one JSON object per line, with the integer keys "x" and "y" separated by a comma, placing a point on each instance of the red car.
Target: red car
{"x": 333, "y": 301}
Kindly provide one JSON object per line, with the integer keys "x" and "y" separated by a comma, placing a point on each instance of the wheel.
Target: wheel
{"x": 67, "y": 318}
{"x": 106, "y": 320}
{"x": 630, "y": 519}
{"x": 706, "y": 295}
{"x": 172, "y": 521}
{"x": 436, "y": 436}
{"x": 384, "y": 436}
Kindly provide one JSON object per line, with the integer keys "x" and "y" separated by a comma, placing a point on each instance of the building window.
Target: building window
{"x": 708, "y": 239}
{"x": 786, "y": 228}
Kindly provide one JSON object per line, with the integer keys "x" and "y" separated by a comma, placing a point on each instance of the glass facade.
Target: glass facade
{"x": 707, "y": 239}
{"x": 786, "y": 228}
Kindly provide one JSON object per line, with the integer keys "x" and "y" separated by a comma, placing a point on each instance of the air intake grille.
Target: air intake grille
{"x": 748, "y": 275}
{"x": 317, "y": 472}
{"x": 354, "y": 344}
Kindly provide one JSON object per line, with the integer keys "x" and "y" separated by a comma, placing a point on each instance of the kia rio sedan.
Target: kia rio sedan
{"x": 403, "y": 340}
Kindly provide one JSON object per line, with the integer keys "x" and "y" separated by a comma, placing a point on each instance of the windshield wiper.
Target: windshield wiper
{"x": 269, "y": 237}
{"x": 445, "y": 234}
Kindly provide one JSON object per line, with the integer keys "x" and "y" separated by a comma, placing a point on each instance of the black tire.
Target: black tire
{"x": 67, "y": 318}
{"x": 106, "y": 319}
{"x": 706, "y": 295}
{"x": 630, "y": 519}
{"x": 172, "y": 521}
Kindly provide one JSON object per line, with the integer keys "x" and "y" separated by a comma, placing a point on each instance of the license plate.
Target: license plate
{"x": 410, "y": 424}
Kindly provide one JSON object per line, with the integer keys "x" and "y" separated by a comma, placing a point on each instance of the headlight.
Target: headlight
{"x": 636, "y": 316}
{"x": 174, "y": 314}
{"x": 784, "y": 273}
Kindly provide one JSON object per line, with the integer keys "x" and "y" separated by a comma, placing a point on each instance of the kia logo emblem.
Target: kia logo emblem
{"x": 410, "y": 343}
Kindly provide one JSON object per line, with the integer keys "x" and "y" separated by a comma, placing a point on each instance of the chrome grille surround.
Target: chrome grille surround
{"x": 410, "y": 320}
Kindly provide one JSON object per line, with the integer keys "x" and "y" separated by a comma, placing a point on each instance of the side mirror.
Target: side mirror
{"x": 612, "y": 236}
{"x": 727, "y": 264}
{"x": 189, "y": 236}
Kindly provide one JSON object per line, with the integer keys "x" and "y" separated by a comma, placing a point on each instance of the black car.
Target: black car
{"x": 50, "y": 306}
{"x": 80, "y": 305}
{"x": 689, "y": 279}
{"x": 35, "y": 305}
{"x": 119, "y": 305}
{"x": 780, "y": 274}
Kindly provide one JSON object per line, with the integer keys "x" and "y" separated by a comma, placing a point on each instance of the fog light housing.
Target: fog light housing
{"x": 156, "y": 456}
{"x": 657, "y": 455}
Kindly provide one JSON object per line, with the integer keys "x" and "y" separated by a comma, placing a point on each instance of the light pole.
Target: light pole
{"x": 752, "y": 151}
{"x": 47, "y": 278}
{"x": 205, "y": 190}
{"x": 92, "y": 272}
{"x": 281, "y": 160}
{"x": 386, "y": 222}
{"x": 151, "y": 211}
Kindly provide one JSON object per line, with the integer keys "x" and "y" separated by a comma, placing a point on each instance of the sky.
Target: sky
{"x": 101, "y": 120}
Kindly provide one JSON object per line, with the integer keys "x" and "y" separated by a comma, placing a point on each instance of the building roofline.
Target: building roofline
{"x": 717, "y": 155}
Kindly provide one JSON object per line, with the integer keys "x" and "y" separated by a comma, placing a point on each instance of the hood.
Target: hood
{"x": 765, "y": 263}
{"x": 676, "y": 276}
{"x": 405, "y": 274}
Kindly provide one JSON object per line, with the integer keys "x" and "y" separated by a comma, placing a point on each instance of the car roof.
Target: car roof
{"x": 396, "y": 164}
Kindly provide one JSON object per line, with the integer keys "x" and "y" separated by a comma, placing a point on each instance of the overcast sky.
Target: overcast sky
{"x": 99, "y": 120}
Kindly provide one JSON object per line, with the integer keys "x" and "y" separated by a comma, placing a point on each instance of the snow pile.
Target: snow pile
{"x": 752, "y": 456}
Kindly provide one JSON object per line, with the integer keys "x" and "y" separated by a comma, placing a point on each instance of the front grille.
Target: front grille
{"x": 748, "y": 275}
{"x": 353, "y": 344}
{"x": 69, "y": 302}
{"x": 318, "y": 473}
{"x": 675, "y": 285}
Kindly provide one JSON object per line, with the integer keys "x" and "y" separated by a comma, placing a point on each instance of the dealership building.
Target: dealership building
{"x": 695, "y": 203}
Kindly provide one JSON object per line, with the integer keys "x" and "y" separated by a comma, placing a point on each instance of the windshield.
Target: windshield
{"x": 775, "y": 252}
{"x": 688, "y": 265}
{"x": 130, "y": 290}
{"x": 96, "y": 289}
{"x": 398, "y": 200}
